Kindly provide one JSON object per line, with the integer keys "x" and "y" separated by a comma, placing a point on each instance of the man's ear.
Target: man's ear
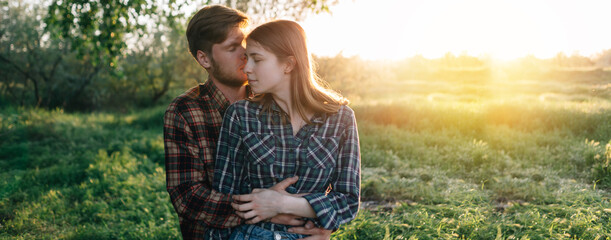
{"x": 204, "y": 59}
{"x": 290, "y": 64}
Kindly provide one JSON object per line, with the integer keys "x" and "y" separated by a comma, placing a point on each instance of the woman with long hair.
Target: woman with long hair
{"x": 294, "y": 125}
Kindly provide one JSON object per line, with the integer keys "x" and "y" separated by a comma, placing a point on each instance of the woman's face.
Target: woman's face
{"x": 266, "y": 74}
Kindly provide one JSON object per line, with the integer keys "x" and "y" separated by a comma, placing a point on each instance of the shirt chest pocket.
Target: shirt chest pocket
{"x": 322, "y": 152}
{"x": 260, "y": 148}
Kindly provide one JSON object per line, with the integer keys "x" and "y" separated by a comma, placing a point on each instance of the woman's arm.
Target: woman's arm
{"x": 341, "y": 204}
{"x": 228, "y": 165}
{"x": 263, "y": 204}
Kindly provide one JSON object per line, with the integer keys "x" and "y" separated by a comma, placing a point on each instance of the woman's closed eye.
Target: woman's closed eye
{"x": 254, "y": 59}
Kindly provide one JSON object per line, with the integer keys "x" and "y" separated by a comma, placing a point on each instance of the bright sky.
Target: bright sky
{"x": 387, "y": 29}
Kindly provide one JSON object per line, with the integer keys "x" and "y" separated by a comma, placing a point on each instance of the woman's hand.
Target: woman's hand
{"x": 263, "y": 204}
{"x": 260, "y": 205}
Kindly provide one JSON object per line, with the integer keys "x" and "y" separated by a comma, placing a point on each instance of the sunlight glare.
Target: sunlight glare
{"x": 505, "y": 30}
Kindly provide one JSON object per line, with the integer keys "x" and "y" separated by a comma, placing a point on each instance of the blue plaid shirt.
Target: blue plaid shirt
{"x": 257, "y": 149}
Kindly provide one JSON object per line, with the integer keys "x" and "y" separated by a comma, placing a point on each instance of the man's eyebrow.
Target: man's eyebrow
{"x": 235, "y": 44}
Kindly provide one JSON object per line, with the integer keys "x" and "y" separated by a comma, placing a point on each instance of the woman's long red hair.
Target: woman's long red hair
{"x": 308, "y": 92}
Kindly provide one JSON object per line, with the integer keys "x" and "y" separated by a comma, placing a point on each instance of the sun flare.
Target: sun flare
{"x": 500, "y": 29}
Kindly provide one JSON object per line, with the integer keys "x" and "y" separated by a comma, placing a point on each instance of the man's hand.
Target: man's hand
{"x": 287, "y": 219}
{"x": 310, "y": 229}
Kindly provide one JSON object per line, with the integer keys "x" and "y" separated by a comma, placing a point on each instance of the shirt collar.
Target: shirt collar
{"x": 318, "y": 118}
{"x": 217, "y": 98}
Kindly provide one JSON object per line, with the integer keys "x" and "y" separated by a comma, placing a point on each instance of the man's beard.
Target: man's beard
{"x": 226, "y": 78}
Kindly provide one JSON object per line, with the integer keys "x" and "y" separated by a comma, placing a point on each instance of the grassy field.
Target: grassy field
{"x": 509, "y": 160}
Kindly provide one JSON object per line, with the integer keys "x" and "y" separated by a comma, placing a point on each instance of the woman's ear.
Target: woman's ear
{"x": 204, "y": 59}
{"x": 290, "y": 64}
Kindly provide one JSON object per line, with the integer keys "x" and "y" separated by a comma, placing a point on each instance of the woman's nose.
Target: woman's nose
{"x": 248, "y": 67}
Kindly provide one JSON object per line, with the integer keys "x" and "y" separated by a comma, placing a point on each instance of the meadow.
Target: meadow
{"x": 522, "y": 159}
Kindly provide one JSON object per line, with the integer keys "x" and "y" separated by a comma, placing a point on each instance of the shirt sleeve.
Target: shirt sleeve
{"x": 341, "y": 204}
{"x": 187, "y": 183}
{"x": 228, "y": 170}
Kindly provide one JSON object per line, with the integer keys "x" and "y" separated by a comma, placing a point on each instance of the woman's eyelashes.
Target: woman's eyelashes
{"x": 254, "y": 59}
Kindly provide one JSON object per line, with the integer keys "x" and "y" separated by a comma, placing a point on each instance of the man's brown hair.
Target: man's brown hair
{"x": 210, "y": 25}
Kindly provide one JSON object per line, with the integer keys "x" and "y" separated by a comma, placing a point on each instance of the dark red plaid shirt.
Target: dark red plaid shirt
{"x": 192, "y": 125}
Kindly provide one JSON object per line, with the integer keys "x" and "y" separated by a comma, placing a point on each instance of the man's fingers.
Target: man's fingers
{"x": 295, "y": 222}
{"x": 243, "y": 198}
{"x": 303, "y": 230}
{"x": 287, "y": 219}
{"x": 256, "y": 190}
{"x": 316, "y": 237}
{"x": 285, "y": 183}
{"x": 316, "y": 233}
{"x": 309, "y": 225}
{"x": 242, "y": 207}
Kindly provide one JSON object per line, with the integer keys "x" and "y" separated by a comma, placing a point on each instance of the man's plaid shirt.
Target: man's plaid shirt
{"x": 257, "y": 149}
{"x": 191, "y": 128}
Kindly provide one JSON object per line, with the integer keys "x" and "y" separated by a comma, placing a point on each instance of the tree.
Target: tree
{"x": 30, "y": 61}
{"x": 85, "y": 54}
{"x": 264, "y": 10}
{"x": 97, "y": 27}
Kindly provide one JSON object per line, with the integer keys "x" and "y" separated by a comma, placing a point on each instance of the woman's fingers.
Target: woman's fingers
{"x": 281, "y": 186}
{"x": 243, "y": 198}
{"x": 254, "y": 220}
{"x": 240, "y": 214}
{"x": 246, "y": 215}
{"x": 242, "y": 207}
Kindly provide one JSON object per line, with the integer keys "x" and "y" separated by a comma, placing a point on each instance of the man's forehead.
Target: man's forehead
{"x": 235, "y": 35}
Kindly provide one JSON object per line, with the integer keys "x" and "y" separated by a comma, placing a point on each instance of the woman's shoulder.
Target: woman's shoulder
{"x": 244, "y": 107}
{"x": 344, "y": 112}
{"x": 344, "y": 116}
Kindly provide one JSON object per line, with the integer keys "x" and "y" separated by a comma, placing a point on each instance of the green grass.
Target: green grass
{"x": 436, "y": 164}
{"x": 83, "y": 176}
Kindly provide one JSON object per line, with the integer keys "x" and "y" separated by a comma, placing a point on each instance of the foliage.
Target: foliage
{"x": 264, "y": 10}
{"x": 96, "y": 29}
{"x": 47, "y": 72}
{"x": 111, "y": 55}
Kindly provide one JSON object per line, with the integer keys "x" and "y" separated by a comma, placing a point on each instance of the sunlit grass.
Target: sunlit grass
{"x": 440, "y": 160}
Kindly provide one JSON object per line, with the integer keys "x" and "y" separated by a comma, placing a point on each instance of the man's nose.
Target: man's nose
{"x": 243, "y": 53}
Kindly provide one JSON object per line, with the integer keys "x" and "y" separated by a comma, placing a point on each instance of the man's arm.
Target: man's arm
{"x": 191, "y": 194}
